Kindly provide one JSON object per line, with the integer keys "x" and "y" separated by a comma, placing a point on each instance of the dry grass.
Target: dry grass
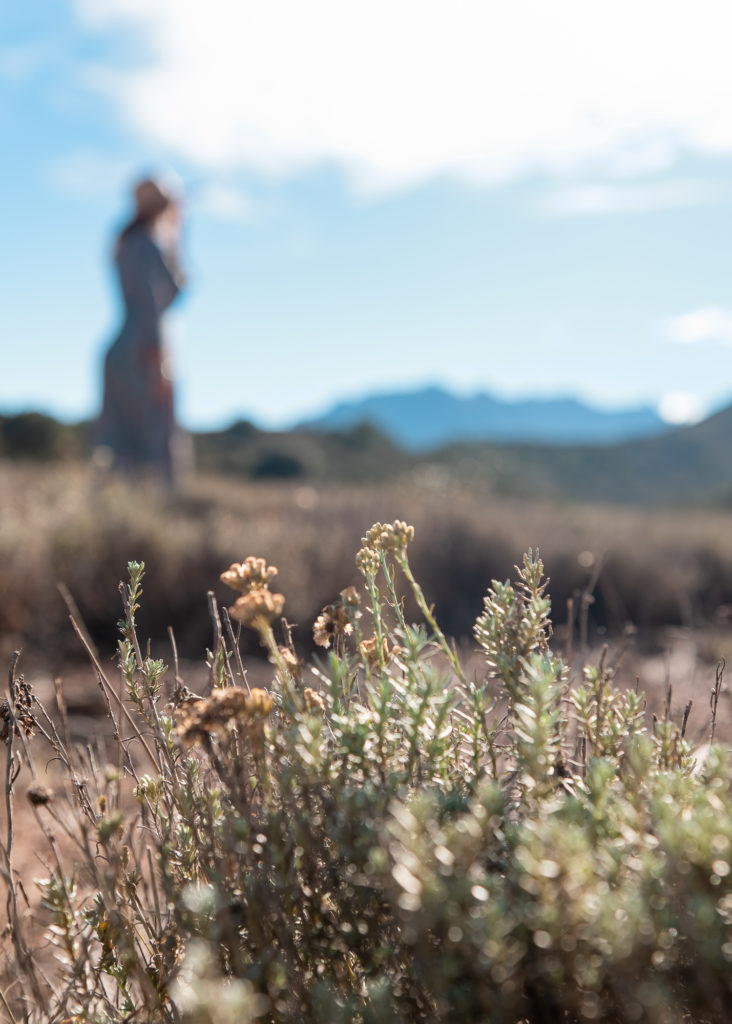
{"x": 62, "y": 523}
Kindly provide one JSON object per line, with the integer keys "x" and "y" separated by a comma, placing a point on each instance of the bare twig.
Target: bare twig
{"x": 217, "y": 644}
{"x": 714, "y": 698}
{"x": 108, "y": 691}
{"x": 76, "y": 616}
{"x": 687, "y": 711}
{"x": 235, "y": 648}
{"x": 176, "y": 665}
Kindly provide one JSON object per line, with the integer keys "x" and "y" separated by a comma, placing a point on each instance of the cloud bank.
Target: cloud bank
{"x": 396, "y": 92}
{"x": 710, "y": 324}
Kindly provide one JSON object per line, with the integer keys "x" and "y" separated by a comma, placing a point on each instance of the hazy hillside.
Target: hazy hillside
{"x": 431, "y": 418}
{"x": 689, "y": 465}
{"x": 692, "y": 464}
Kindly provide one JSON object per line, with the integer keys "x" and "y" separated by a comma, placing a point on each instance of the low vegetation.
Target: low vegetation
{"x": 690, "y": 466}
{"x": 376, "y": 835}
{"x": 67, "y": 524}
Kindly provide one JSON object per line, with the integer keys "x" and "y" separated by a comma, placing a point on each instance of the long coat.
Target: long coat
{"x": 137, "y": 421}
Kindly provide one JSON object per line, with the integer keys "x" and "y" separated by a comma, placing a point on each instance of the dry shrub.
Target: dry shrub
{"x": 373, "y": 836}
{"x": 64, "y": 523}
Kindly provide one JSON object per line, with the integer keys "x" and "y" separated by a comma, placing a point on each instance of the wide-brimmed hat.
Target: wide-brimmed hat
{"x": 152, "y": 196}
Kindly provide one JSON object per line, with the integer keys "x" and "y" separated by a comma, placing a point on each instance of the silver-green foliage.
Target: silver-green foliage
{"x": 382, "y": 837}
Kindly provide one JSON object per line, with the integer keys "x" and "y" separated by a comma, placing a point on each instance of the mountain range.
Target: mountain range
{"x": 430, "y": 418}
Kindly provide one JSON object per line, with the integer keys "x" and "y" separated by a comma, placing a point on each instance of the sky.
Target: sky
{"x": 523, "y": 198}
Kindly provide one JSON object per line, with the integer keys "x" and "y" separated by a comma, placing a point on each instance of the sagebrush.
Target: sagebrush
{"x": 376, "y": 836}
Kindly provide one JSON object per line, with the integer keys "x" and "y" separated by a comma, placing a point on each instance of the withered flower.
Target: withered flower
{"x": 324, "y": 628}
{"x": 22, "y": 710}
{"x": 314, "y": 700}
{"x": 197, "y": 721}
{"x": 389, "y": 536}
{"x": 336, "y": 619}
{"x": 181, "y": 697}
{"x": 258, "y": 607}
{"x": 39, "y": 795}
{"x": 292, "y": 663}
{"x": 368, "y": 561}
{"x": 370, "y": 651}
{"x": 251, "y": 574}
{"x": 258, "y": 702}
{"x": 350, "y": 598}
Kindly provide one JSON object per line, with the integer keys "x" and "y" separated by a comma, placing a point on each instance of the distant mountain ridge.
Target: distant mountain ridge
{"x": 430, "y": 418}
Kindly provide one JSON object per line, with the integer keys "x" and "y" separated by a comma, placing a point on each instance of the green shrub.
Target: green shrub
{"x": 377, "y": 837}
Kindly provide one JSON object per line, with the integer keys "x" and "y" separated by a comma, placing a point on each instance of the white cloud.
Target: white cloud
{"x": 577, "y": 200}
{"x": 711, "y": 324}
{"x": 680, "y": 407}
{"x": 398, "y": 91}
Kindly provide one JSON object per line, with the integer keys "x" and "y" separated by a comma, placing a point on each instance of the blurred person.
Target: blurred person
{"x": 137, "y": 428}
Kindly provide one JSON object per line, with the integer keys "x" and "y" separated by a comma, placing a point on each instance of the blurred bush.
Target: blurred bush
{"x": 32, "y": 435}
{"x": 63, "y": 522}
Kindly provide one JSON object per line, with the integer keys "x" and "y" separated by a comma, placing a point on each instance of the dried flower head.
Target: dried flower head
{"x": 369, "y": 650}
{"x": 39, "y": 795}
{"x": 251, "y": 574}
{"x": 22, "y": 710}
{"x": 368, "y": 562}
{"x": 257, "y": 608}
{"x": 232, "y": 706}
{"x": 292, "y": 663}
{"x": 181, "y": 697}
{"x": 314, "y": 700}
{"x": 389, "y": 536}
{"x": 336, "y": 619}
{"x": 350, "y": 598}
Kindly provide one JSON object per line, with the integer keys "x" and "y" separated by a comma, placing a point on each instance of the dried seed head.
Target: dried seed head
{"x": 314, "y": 700}
{"x": 337, "y": 619}
{"x": 292, "y": 663}
{"x": 257, "y": 607}
{"x": 251, "y": 574}
{"x": 180, "y": 698}
{"x": 368, "y": 562}
{"x": 369, "y": 650}
{"x": 258, "y": 703}
{"x": 39, "y": 795}
{"x": 389, "y": 536}
{"x": 351, "y": 599}
{"x": 332, "y": 623}
{"x": 324, "y": 629}
{"x": 232, "y": 706}
{"x": 22, "y": 710}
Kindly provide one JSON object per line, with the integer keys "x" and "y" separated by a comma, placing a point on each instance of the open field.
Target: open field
{"x": 645, "y": 569}
{"x": 656, "y": 586}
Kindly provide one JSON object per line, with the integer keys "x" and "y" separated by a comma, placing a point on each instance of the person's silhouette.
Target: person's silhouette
{"x": 137, "y": 425}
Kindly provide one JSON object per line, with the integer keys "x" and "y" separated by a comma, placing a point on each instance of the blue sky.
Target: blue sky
{"x": 528, "y": 199}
